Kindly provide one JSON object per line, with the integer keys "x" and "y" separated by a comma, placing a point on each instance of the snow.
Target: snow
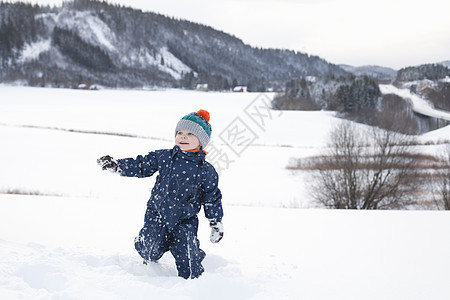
{"x": 172, "y": 65}
{"x": 75, "y": 239}
{"x": 438, "y": 135}
{"x": 88, "y": 26}
{"x": 32, "y": 51}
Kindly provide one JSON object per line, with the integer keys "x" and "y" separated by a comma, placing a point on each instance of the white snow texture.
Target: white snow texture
{"x": 67, "y": 228}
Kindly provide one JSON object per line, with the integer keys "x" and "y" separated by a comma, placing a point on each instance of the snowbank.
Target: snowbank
{"x": 75, "y": 248}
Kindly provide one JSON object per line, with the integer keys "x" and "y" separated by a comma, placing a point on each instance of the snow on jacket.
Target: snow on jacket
{"x": 185, "y": 182}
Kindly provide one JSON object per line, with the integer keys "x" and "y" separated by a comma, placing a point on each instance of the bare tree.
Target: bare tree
{"x": 371, "y": 169}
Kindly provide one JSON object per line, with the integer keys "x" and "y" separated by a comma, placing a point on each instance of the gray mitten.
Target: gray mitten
{"x": 216, "y": 231}
{"x": 108, "y": 163}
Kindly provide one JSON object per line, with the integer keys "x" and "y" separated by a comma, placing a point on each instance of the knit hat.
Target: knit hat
{"x": 198, "y": 124}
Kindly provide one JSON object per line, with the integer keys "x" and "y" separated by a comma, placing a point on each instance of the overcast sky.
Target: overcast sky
{"x": 390, "y": 33}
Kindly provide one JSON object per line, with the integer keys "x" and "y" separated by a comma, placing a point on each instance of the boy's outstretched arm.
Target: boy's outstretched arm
{"x": 141, "y": 166}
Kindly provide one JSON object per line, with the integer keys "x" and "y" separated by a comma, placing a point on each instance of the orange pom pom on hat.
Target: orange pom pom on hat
{"x": 198, "y": 124}
{"x": 204, "y": 114}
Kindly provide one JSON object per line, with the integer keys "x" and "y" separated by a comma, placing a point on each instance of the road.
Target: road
{"x": 418, "y": 104}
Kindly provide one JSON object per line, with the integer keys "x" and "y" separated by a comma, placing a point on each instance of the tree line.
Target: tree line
{"x": 427, "y": 71}
{"x": 358, "y": 98}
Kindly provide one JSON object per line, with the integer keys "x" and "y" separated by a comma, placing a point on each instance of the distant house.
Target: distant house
{"x": 424, "y": 83}
{"x": 240, "y": 89}
{"x": 202, "y": 87}
{"x": 425, "y": 90}
{"x": 83, "y": 86}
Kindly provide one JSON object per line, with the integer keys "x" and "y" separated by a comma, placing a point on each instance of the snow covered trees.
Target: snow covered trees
{"x": 80, "y": 52}
{"x": 345, "y": 94}
{"x": 365, "y": 170}
{"x": 428, "y": 71}
{"x": 17, "y": 25}
{"x": 362, "y": 93}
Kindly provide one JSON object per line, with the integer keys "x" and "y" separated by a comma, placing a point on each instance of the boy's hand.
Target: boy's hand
{"x": 108, "y": 163}
{"x": 216, "y": 231}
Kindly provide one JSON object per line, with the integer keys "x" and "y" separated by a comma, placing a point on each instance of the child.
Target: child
{"x": 185, "y": 183}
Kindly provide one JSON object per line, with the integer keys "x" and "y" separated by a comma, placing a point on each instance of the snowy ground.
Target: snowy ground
{"x": 75, "y": 239}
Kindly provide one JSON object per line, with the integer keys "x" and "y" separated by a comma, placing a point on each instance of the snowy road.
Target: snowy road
{"x": 419, "y": 104}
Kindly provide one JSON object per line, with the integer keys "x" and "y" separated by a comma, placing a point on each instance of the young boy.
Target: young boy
{"x": 185, "y": 183}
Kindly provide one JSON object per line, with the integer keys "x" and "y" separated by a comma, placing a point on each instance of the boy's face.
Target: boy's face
{"x": 186, "y": 140}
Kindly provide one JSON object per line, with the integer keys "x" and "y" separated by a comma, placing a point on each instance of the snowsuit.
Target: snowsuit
{"x": 185, "y": 183}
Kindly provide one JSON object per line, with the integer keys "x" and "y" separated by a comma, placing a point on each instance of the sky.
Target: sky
{"x": 387, "y": 33}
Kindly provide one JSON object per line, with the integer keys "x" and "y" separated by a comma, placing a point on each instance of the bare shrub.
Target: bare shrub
{"x": 440, "y": 181}
{"x": 294, "y": 103}
{"x": 371, "y": 169}
{"x": 423, "y": 162}
{"x": 17, "y": 191}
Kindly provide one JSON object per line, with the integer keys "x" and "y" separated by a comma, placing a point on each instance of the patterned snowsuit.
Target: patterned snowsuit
{"x": 185, "y": 182}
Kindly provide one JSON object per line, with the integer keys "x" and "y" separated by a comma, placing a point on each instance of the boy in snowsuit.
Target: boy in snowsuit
{"x": 184, "y": 184}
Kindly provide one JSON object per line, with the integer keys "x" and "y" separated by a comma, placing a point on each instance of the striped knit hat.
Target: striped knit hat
{"x": 198, "y": 124}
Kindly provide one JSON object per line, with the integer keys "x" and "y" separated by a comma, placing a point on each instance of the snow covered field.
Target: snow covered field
{"x": 72, "y": 237}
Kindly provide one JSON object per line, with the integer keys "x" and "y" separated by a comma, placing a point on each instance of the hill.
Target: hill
{"x": 92, "y": 42}
{"x": 377, "y": 72}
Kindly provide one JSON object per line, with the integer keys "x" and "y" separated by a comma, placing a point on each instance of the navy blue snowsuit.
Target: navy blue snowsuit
{"x": 185, "y": 183}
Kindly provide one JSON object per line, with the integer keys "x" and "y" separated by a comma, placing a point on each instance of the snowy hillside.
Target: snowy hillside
{"x": 70, "y": 45}
{"x": 67, "y": 228}
{"x": 93, "y": 30}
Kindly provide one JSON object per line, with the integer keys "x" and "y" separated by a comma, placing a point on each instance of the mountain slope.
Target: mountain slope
{"x": 377, "y": 72}
{"x": 138, "y": 49}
